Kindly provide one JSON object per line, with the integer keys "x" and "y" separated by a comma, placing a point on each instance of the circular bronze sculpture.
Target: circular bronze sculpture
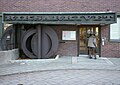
{"x": 47, "y": 40}
{"x": 35, "y": 41}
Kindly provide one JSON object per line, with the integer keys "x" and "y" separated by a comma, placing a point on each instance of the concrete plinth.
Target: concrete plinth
{"x": 6, "y": 56}
{"x": 74, "y": 60}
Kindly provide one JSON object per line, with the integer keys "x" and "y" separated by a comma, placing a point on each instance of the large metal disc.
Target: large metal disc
{"x": 48, "y": 41}
{"x": 28, "y": 34}
{"x": 49, "y": 33}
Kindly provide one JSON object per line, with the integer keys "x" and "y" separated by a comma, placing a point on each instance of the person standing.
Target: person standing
{"x": 92, "y": 45}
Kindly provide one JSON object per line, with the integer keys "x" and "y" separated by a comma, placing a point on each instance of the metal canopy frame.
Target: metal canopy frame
{"x": 59, "y": 17}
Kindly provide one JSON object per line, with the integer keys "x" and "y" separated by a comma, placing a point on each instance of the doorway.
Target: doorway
{"x": 84, "y": 33}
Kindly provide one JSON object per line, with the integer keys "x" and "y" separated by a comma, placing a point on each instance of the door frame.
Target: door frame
{"x": 99, "y": 36}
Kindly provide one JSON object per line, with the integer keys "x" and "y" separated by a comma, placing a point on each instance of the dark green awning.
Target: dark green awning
{"x": 59, "y": 17}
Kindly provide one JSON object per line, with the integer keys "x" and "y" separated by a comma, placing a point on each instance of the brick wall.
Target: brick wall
{"x": 66, "y": 47}
{"x": 59, "y": 5}
{"x": 110, "y": 49}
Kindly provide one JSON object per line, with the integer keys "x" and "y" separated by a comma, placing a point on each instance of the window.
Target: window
{"x": 115, "y": 31}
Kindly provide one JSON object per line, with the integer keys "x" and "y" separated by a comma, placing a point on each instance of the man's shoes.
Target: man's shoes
{"x": 90, "y": 57}
{"x": 95, "y": 58}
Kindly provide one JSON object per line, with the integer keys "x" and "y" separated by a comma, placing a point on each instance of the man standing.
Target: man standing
{"x": 92, "y": 45}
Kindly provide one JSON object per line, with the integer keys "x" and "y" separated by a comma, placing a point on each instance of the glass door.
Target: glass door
{"x": 84, "y": 34}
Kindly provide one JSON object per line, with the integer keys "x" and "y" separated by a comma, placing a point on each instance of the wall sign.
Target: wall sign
{"x": 60, "y": 17}
{"x": 68, "y": 35}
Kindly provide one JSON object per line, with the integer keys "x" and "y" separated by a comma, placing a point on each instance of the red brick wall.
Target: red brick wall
{"x": 66, "y": 47}
{"x": 110, "y": 49}
{"x": 59, "y": 5}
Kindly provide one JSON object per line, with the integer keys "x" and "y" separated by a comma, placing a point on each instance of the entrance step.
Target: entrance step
{"x": 86, "y": 56}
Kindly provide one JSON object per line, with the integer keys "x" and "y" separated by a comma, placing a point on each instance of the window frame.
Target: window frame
{"x": 75, "y": 36}
{"x": 113, "y": 40}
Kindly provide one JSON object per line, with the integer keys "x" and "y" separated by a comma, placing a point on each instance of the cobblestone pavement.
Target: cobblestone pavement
{"x": 63, "y": 63}
{"x": 63, "y": 77}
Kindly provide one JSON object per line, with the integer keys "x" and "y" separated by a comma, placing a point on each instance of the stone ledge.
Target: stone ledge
{"x": 6, "y": 56}
{"x": 25, "y": 61}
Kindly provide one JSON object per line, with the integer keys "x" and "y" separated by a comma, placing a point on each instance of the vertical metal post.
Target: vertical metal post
{"x": 99, "y": 35}
{"x": 19, "y": 35}
{"x": 39, "y": 41}
{"x": 1, "y": 28}
{"x": 14, "y": 36}
{"x": 78, "y": 41}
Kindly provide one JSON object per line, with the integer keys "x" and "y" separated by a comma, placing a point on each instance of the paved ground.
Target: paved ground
{"x": 63, "y": 77}
{"x": 62, "y": 63}
{"x": 62, "y": 71}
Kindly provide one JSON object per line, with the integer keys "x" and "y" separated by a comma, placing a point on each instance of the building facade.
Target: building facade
{"x": 71, "y": 36}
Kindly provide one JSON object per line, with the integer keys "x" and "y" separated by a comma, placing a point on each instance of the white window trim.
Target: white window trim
{"x": 112, "y": 31}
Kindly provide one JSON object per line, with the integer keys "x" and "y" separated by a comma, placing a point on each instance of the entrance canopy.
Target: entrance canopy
{"x": 59, "y": 17}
